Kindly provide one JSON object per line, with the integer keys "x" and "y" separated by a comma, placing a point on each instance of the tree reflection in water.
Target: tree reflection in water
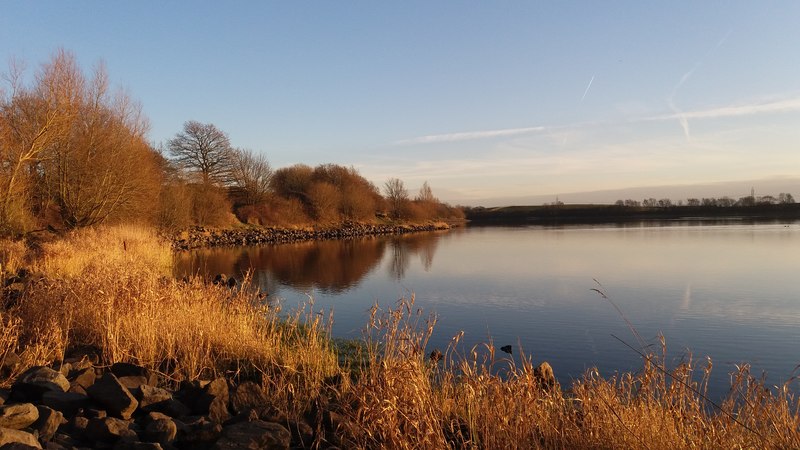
{"x": 328, "y": 266}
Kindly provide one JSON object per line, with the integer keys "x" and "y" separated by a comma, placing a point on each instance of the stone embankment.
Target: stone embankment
{"x": 79, "y": 405}
{"x": 199, "y": 237}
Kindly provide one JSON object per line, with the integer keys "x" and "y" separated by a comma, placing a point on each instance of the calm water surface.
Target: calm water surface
{"x": 727, "y": 291}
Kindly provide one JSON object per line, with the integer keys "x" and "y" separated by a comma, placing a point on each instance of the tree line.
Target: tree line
{"x": 710, "y": 202}
{"x": 74, "y": 152}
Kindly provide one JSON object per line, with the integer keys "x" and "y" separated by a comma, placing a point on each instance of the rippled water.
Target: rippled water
{"x": 728, "y": 291}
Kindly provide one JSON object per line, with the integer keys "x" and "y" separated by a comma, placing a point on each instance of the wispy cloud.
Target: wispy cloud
{"x": 471, "y": 135}
{"x": 753, "y": 108}
{"x": 587, "y": 88}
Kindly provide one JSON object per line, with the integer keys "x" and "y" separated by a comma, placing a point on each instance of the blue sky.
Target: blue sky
{"x": 491, "y": 102}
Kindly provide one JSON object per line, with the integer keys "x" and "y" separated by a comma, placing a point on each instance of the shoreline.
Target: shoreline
{"x": 201, "y": 237}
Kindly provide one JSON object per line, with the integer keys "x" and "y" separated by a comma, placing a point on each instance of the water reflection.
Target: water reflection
{"x": 330, "y": 267}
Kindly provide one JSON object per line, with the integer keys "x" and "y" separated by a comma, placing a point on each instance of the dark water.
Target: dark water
{"x": 727, "y": 291}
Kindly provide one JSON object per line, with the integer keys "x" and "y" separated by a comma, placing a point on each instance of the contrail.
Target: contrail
{"x": 587, "y": 88}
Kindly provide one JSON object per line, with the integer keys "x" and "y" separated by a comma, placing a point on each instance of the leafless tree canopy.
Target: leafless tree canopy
{"x": 396, "y": 194}
{"x": 250, "y": 176}
{"x": 204, "y": 150}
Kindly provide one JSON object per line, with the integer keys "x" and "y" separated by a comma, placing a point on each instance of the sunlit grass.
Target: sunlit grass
{"x": 109, "y": 291}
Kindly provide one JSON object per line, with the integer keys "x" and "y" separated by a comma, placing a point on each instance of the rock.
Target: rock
{"x": 9, "y": 436}
{"x": 161, "y": 430}
{"x": 544, "y": 375}
{"x": 248, "y": 395}
{"x": 214, "y": 401}
{"x": 172, "y": 408}
{"x": 37, "y": 380}
{"x": 4, "y": 395}
{"x": 138, "y": 375}
{"x": 200, "y": 432}
{"x": 83, "y": 378}
{"x": 109, "y": 392}
{"x": 149, "y": 395}
{"x": 254, "y": 435}
{"x": 67, "y": 402}
{"x": 18, "y": 416}
{"x": 124, "y": 445}
{"x": 109, "y": 429}
{"x": 48, "y": 422}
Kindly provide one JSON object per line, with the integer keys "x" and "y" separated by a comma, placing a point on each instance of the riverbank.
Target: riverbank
{"x": 200, "y": 237}
{"x": 105, "y": 296}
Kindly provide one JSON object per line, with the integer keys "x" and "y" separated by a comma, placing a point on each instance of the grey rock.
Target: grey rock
{"x": 109, "y": 392}
{"x": 149, "y": 395}
{"x": 83, "y": 378}
{"x": 67, "y": 402}
{"x": 172, "y": 408}
{"x": 248, "y": 395}
{"x": 254, "y": 435}
{"x": 162, "y": 430}
{"x": 37, "y": 380}
{"x": 18, "y": 416}
{"x": 198, "y": 433}
{"x": 48, "y": 422}
{"x": 9, "y": 436}
{"x": 214, "y": 401}
{"x": 109, "y": 429}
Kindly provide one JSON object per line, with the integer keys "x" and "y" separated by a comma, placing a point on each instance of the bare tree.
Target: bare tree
{"x": 203, "y": 149}
{"x": 426, "y": 194}
{"x": 396, "y": 194}
{"x": 250, "y": 176}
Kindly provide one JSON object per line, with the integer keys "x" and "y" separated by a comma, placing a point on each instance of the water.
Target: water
{"x": 727, "y": 291}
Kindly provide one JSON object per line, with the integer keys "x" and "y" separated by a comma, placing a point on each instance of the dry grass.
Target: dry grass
{"x": 118, "y": 299}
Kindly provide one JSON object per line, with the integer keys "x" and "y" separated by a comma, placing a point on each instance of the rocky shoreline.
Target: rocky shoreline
{"x": 200, "y": 237}
{"x": 78, "y": 405}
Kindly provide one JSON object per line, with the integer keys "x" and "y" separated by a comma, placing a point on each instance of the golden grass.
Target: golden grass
{"x": 110, "y": 290}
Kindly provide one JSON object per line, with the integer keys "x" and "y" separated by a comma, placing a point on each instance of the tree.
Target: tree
{"x": 426, "y": 194}
{"x": 204, "y": 150}
{"x": 397, "y": 196}
{"x": 250, "y": 176}
{"x": 785, "y": 198}
{"x": 31, "y": 119}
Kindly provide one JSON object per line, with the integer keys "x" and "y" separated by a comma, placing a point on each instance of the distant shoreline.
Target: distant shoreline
{"x": 578, "y": 214}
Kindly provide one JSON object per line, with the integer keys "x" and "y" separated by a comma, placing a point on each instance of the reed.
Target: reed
{"x": 109, "y": 291}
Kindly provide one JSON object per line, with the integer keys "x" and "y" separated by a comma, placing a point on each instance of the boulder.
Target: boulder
{"x": 67, "y": 402}
{"x": 84, "y": 378}
{"x": 109, "y": 429}
{"x": 11, "y": 437}
{"x": 48, "y": 422}
{"x": 4, "y": 395}
{"x": 171, "y": 407}
{"x": 18, "y": 416}
{"x": 248, "y": 395}
{"x": 37, "y": 380}
{"x": 201, "y": 432}
{"x": 213, "y": 401}
{"x": 148, "y": 395}
{"x": 252, "y": 435}
{"x": 162, "y": 430}
{"x": 109, "y": 392}
{"x": 136, "y": 445}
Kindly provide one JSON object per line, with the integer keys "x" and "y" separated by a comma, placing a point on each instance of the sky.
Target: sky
{"x": 490, "y": 102}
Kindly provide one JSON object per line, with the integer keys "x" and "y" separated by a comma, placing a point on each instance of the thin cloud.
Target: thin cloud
{"x": 470, "y": 135}
{"x": 764, "y": 107}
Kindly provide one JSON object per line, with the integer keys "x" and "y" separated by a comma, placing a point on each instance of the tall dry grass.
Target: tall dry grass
{"x": 109, "y": 291}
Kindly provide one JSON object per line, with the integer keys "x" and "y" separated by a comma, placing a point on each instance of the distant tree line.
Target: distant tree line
{"x": 73, "y": 153}
{"x": 711, "y": 202}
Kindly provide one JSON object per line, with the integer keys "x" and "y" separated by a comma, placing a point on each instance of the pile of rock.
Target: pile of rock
{"x": 121, "y": 407}
{"x": 199, "y": 237}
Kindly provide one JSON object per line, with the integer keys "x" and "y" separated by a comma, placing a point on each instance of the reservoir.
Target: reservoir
{"x": 728, "y": 291}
